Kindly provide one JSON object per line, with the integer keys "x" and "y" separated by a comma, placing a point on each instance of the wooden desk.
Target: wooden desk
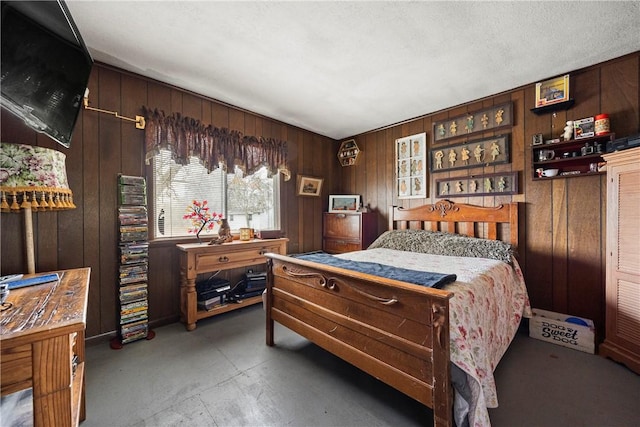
{"x": 197, "y": 258}
{"x": 40, "y": 335}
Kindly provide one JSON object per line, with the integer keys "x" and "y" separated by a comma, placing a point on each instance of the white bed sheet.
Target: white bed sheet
{"x": 490, "y": 299}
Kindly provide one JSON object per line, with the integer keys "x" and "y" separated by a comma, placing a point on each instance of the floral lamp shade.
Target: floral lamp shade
{"x": 33, "y": 177}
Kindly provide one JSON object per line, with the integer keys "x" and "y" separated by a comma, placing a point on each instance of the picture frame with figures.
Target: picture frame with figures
{"x": 471, "y": 154}
{"x": 411, "y": 166}
{"x": 490, "y": 184}
{"x": 489, "y": 118}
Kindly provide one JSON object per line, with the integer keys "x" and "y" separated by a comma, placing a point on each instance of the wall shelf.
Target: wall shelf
{"x": 554, "y": 107}
{"x": 569, "y": 157}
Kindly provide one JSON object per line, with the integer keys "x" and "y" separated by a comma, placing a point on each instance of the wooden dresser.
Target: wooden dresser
{"x": 43, "y": 347}
{"x": 346, "y": 232}
{"x": 622, "y": 332}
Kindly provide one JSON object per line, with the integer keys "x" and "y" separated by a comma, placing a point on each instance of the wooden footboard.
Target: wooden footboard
{"x": 395, "y": 331}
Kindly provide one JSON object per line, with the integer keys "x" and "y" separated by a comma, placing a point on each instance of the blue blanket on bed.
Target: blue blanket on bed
{"x": 422, "y": 278}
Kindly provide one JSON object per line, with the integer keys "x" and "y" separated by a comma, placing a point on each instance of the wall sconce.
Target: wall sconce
{"x": 33, "y": 179}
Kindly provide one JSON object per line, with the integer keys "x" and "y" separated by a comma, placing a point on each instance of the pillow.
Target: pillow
{"x": 441, "y": 243}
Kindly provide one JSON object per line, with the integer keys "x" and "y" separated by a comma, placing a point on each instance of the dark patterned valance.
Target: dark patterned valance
{"x": 185, "y": 137}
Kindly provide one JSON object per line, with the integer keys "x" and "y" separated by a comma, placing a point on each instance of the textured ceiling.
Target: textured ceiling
{"x": 342, "y": 68}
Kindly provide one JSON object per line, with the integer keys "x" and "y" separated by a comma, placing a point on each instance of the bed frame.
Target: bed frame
{"x": 395, "y": 331}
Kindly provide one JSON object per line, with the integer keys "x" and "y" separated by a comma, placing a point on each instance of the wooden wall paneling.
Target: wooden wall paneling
{"x": 70, "y": 243}
{"x": 369, "y": 162}
{"x": 236, "y": 120}
{"x": 585, "y": 288}
{"x": 158, "y": 97}
{"x": 325, "y": 151}
{"x": 110, "y": 156}
{"x": 538, "y": 233}
{"x": 220, "y": 115}
{"x": 45, "y": 224}
{"x": 176, "y": 102}
{"x": 13, "y": 249}
{"x": 291, "y": 205}
{"x": 360, "y": 170}
{"x": 192, "y": 106}
{"x": 134, "y": 95}
{"x": 308, "y": 204}
{"x": 619, "y": 88}
{"x": 559, "y": 221}
{"x": 207, "y": 110}
{"x": 519, "y": 163}
{"x": 384, "y": 184}
{"x": 89, "y": 203}
{"x": 250, "y": 125}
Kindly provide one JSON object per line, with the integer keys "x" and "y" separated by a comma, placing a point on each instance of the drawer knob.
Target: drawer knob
{"x": 223, "y": 259}
{"x": 341, "y": 215}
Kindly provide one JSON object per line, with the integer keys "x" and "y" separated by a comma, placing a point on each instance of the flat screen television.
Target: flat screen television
{"x": 45, "y": 66}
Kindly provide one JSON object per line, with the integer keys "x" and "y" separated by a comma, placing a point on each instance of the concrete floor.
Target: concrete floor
{"x": 222, "y": 374}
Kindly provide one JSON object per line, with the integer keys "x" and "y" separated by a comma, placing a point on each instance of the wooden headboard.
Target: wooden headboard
{"x": 460, "y": 218}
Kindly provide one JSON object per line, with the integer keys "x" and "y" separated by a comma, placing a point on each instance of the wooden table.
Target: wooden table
{"x": 40, "y": 335}
{"x": 198, "y": 258}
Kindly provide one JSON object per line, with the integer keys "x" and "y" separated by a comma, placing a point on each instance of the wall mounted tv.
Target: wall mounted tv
{"x": 45, "y": 66}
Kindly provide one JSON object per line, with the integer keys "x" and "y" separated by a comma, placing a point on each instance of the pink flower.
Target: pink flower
{"x": 200, "y": 217}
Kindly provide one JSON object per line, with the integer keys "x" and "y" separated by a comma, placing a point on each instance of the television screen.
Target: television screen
{"x": 45, "y": 66}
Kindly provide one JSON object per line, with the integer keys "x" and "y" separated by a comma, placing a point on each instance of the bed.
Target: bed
{"x": 424, "y": 341}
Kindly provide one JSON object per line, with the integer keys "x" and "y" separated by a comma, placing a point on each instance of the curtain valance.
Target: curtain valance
{"x": 185, "y": 137}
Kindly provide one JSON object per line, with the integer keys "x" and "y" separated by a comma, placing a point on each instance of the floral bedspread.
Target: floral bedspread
{"x": 490, "y": 300}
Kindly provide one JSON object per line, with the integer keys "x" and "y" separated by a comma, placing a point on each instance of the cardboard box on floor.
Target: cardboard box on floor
{"x": 562, "y": 329}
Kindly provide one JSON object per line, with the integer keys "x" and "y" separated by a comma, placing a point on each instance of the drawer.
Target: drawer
{"x": 336, "y": 246}
{"x": 234, "y": 258}
{"x": 15, "y": 372}
{"x": 344, "y": 226}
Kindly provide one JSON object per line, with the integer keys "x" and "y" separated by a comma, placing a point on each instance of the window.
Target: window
{"x": 246, "y": 201}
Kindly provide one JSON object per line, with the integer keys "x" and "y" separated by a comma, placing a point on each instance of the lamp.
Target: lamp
{"x": 33, "y": 179}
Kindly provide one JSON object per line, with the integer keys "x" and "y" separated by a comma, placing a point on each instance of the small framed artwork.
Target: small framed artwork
{"x": 537, "y": 139}
{"x": 552, "y": 91}
{"x": 308, "y": 186}
{"x": 344, "y": 203}
{"x": 584, "y": 128}
{"x": 491, "y": 184}
{"x": 411, "y": 167}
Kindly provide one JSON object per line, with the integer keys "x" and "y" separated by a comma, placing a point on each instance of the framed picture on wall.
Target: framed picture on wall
{"x": 308, "y": 186}
{"x": 411, "y": 167}
{"x": 552, "y": 91}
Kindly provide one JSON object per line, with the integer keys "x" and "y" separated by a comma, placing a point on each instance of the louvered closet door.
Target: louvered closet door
{"x": 623, "y": 258}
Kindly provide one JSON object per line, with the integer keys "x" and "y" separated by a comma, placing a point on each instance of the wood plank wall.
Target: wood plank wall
{"x": 104, "y": 146}
{"x": 562, "y": 222}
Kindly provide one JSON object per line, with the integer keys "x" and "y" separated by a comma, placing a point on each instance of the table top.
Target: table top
{"x": 231, "y": 245}
{"x": 47, "y": 309}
